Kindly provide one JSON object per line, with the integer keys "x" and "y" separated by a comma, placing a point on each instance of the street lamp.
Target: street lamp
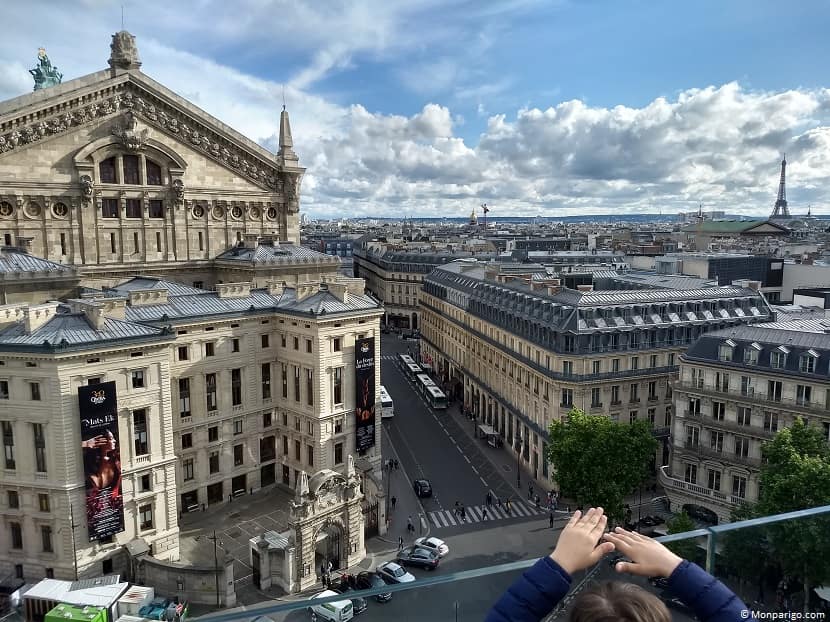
{"x": 518, "y": 465}
{"x": 216, "y": 564}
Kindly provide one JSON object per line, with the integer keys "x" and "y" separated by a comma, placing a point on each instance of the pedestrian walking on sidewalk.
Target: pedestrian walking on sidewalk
{"x": 394, "y": 500}
{"x": 463, "y": 512}
{"x": 456, "y": 509}
{"x": 498, "y": 503}
{"x": 409, "y": 526}
{"x": 400, "y": 543}
{"x": 484, "y": 513}
{"x": 507, "y": 505}
{"x": 537, "y": 501}
{"x": 489, "y": 498}
{"x": 529, "y": 492}
{"x": 397, "y": 464}
{"x": 550, "y": 519}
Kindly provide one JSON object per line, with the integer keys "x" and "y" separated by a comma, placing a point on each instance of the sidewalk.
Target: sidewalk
{"x": 504, "y": 460}
{"x": 399, "y": 485}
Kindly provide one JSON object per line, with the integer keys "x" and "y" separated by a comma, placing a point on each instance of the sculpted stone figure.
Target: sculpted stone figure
{"x": 45, "y": 74}
{"x": 86, "y": 187}
{"x": 124, "y": 51}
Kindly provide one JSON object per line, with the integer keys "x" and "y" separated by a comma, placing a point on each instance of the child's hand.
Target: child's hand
{"x": 649, "y": 557}
{"x": 577, "y": 548}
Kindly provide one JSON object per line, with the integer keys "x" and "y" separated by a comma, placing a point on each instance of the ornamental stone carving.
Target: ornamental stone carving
{"x": 178, "y": 191}
{"x": 124, "y": 51}
{"x": 87, "y": 188}
{"x": 128, "y": 133}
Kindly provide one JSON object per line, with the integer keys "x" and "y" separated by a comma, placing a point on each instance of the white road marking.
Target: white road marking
{"x": 482, "y": 480}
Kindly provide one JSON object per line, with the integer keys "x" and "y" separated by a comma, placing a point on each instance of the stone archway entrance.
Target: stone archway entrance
{"x": 329, "y": 545}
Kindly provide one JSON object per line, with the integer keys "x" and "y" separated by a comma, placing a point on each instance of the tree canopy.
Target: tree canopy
{"x": 597, "y": 462}
{"x": 687, "y": 549}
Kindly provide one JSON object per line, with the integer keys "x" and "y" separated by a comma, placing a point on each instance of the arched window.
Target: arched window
{"x": 153, "y": 174}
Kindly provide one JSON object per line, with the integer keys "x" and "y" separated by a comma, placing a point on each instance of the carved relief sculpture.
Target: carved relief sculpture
{"x": 128, "y": 134}
{"x": 87, "y": 189}
{"x": 124, "y": 51}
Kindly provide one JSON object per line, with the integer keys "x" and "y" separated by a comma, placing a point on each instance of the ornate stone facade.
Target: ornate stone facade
{"x": 113, "y": 169}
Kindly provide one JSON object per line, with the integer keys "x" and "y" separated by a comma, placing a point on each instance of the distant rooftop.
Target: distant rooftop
{"x": 14, "y": 260}
{"x": 266, "y": 252}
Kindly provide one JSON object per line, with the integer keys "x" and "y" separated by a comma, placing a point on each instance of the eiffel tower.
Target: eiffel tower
{"x": 781, "y": 210}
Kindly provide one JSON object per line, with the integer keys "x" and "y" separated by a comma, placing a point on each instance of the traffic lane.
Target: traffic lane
{"x": 426, "y": 449}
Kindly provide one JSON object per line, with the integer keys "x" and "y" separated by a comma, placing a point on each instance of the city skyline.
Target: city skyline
{"x": 429, "y": 109}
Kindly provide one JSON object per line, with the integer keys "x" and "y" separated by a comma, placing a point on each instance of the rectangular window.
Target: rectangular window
{"x": 741, "y": 446}
{"x": 774, "y": 390}
{"x": 309, "y": 387}
{"x": 285, "y": 445}
{"x": 135, "y": 242}
{"x": 140, "y": 432}
{"x": 158, "y": 241}
{"x": 210, "y": 349}
{"x": 13, "y": 499}
{"x": 596, "y": 367}
{"x": 187, "y": 470}
{"x": 145, "y": 513}
{"x": 266, "y": 381}
{"x": 632, "y": 416}
{"x": 213, "y": 434}
{"x": 4, "y": 389}
{"x": 803, "y": 394}
{"x": 718, "y": 411}
{"x": 146, "y": 483}
{"x": 750, "y": 356}
{"x": 771, "y": 422}
{"x": 201, "y": 241}
{"x": 634, "y": 392}
{"x": 725, "y": 353}
{"x": 183, "y": 353}
{"x": 133, "y": 208}
{"x": 184, "y": 397}
{"x": 296, "y": 383}
{"x": 338, "y": 385}
{"x": 652, "y": 390}
{"x": 267, "y": 419}
{"x": 744, "y": 415}
{"x": 156, "y": 208}
{"x": 338, "y": 455}
{"x": 138, "y": 379}
{"x": 615, "y": 366}
{"x": 130, "y": 169}
{"x": 153, "y": 172}
{"x": 187, "y": 440}
{"x": 338, "y": 426}
{"x": 43, "y": 502}
{"x": 777, "y": 359}
{"x": 237, "y": 426}
{"x": 716, "y": 441}
{"x": 567, "y": 368}
{"x": 722, "y": 382}
{"x": 596, "y": 400}
{"x": 16, "y": 535}
{"x": 63, "y": 244}
{"x": 46, "y": 538}
{"x": 282, "y": 338}
{"x": 235, "y": 345}
{"x": 210, "y": 392}
{"x": 310, "y": 455}
{"x": 713, "y": 479}
{"x": 238, "y": 456}
{"x": 615, "y": 394}
{"x": 236, "y": 387}
{"x": 34, "y": 388}
{"x": 296, "y": 343}
{"x": 308, "y": 345}
{"x": 652, "y": 415}
{"x": 690, "y": 475}
{"x": 40, "y": 447}
{"x": 336, "y": 345}
{"x": 112, "y": 243}
{"x": 284, "y": 380}
{"x": 297, "y": 450}
{"x": 670, "y": 361}
{"x": 106, "y": 171}
{"x": 264, "y": 341}
{"x": 267, "y": 448}
{"x": 746, "y": 386}
{"x": 692, "y": 436}
{"x": 213, "y": 462}
{"x": 738, "y": 486}
{"x": 8, "y": 444}
{"x": 634, "y": 362}
{"x": 567, "y": 398}
{"x": 652, "y": 361}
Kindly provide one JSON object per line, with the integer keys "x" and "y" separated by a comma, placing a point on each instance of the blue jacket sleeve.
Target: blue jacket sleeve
{"x": 710, "y": 599}
{"x": 533, "y": 595}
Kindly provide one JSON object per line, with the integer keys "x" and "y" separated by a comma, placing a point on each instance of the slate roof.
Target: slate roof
{"x": 16, "y": 261}
{"x": 73, "y": 329}
{"x": 647, "y": 279}
{"x": 729, "y": 226}
{"x": 798, "y": 336}
{"x": 280, "y": 254}
{"x": 142, "y": 283}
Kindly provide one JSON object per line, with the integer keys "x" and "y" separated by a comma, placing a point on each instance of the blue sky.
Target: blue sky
{"x": 430, "y": 107}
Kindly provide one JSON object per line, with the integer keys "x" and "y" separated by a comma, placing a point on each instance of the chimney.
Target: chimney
{"x": 585, "y": 288}
{"x": 276, "y": 289}
{"x": 36, "y": 316}
{"x": 233, "y": 290}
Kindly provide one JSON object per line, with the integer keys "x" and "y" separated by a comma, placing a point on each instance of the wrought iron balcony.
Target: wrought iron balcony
{"x": 696, "y": 490}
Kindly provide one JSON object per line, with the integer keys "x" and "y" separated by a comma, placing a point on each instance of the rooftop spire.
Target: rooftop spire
{"x": 286, "y": 153}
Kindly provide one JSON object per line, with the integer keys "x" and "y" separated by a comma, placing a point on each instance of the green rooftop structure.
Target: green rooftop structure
{"x": 73, "y": 613}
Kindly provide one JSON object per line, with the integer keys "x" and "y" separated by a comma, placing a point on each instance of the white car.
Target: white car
{"x": 434, "y": 544}
{"x": 393, "y": 573}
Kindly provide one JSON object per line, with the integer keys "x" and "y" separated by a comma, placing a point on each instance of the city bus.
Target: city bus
{"x": 436, "y": 398}
{"x": 413, "y": 371}
{"x": 424, "y": 382}
{"x": 405, "y": 360}
{"x": 387, "y": 407}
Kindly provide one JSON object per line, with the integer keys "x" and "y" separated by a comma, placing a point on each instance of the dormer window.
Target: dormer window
{"x": 807, "y": 362}
{"x": 778, "y": 358}
{"x": 751, "y": 354}
{"x": 725, "y": 350}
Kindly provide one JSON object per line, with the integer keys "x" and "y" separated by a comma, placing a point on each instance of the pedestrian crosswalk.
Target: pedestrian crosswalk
{"x": 475, "y": 514}
{"x": 389, "y": 357}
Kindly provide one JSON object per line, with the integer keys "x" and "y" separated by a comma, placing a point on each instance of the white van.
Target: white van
{"x": 336, "y": 611}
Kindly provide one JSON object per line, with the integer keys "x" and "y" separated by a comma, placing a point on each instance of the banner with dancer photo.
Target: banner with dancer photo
{"x": 364, "y": 372}
{"x": 102, "y": 460}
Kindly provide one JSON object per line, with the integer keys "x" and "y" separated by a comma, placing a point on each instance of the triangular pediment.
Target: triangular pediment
{"x": 38, "y": 116}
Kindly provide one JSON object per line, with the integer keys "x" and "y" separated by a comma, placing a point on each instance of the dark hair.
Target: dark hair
{"x": 616, "y": 601}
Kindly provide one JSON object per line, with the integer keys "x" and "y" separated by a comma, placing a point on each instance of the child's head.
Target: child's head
{"x": 616, "y": 601}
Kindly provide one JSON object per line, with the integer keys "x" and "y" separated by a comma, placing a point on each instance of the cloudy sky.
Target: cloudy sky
{"x": 536, "y": 107}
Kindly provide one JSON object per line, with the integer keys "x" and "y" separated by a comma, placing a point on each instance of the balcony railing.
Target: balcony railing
{"x": 459, "y": 595}
{"x": 753, "y": 396}
{"x": 716, "y": 496}
{"x": 727, "y": 456}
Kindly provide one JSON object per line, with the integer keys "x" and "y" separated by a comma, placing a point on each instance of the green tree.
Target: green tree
{"x": 745, "y": 551}
{"x": 687, "y": 549}
{"x": 597, "y": 462}
{"x": 796, "y": 476}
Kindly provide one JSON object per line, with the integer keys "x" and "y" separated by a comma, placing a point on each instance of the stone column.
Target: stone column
{"x": 264, "y": 564}
{"x": 230, "y": 591}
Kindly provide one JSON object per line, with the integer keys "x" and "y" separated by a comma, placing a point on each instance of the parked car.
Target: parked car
{"x": 370, "y": 581}
{"x": 418, "y": 556}
{"x": 434, "y": 544}
{"x": 359, "y": 604}
{"x": 336, "y": 611}
{"x": 393, "y": 573}
{"x": 422, "y": 487}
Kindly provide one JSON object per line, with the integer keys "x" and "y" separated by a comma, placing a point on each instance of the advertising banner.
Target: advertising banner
{"x": 102, "y": 459}
{"x": 364, "y": 371}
